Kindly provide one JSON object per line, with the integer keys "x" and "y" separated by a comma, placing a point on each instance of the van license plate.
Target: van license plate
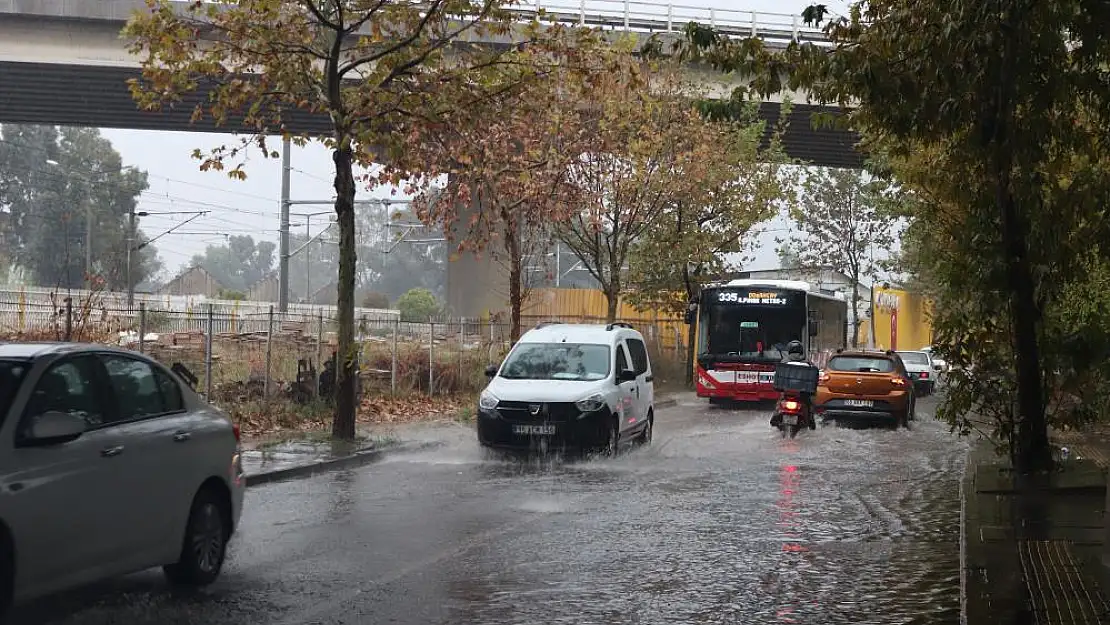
{"x": 859, "y": 403}
{"x": 534, "y": 430}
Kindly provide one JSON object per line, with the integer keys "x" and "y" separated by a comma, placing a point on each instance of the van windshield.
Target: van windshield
{"x": 11, "y": 374}
{"x": 557, "y": 361}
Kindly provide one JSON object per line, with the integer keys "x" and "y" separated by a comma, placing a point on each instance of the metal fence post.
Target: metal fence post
{"x": 269, "y": 353}
{"x": 462, "y": 350}
{"x": 319, "y": 353}
{"x": 69, "y": 319}
{"x": 393, "y": 356}
{"x": 208, "y": 356}
{"x": 431, "y": 358}
{"x": 142, "y": 327}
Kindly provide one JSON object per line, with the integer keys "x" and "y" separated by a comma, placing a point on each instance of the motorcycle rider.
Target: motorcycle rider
{"x": 796, "y": 352}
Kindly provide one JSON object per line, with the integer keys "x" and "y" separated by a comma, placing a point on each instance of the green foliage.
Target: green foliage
{"x": 374, "y": 299}
{"x": 239, "y": 263}
{"x": 1008, "y": 102}
{"x": 840, "y": 222}
{"x": 232, "y": 295}
{"x": 51, "y": 181}
{"x": 418, "y": 305}
{"x": 724, "y": 185}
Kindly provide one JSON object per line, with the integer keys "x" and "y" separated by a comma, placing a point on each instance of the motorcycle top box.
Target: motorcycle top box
{"x": 797, "y": 377}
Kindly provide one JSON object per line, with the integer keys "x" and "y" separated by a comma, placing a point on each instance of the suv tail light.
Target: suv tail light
{"x": 823, "y": 377}
{"x": 897, "y": 381}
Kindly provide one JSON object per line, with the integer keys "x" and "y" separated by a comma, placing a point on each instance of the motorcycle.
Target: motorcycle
{"x": 792, "y": 413}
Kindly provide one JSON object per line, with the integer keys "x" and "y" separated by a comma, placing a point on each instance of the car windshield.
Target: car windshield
{"x": 914, "y": 358}
{"x": 861, "y": 364}
{"x": 11, "y": 374}
{"x": 557, "y": 361}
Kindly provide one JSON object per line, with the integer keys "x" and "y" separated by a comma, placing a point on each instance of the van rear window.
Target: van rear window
{"x": 861, "y": 364}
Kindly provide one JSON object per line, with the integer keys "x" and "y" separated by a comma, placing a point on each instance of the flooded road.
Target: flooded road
{"x": 720, "y": 521}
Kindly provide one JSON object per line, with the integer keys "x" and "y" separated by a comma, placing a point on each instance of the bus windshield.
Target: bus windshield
{"x": 755, "y": 333}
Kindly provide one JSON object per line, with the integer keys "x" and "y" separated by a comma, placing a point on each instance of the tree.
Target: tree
{"x": 418, "y": 305}
{"x": 1009, "y": 91}
{"x": 632, "y": 167}
{"x": 841, "y": 218}
{"x": 728, "y": 185}
{"x": 375, "y": 70}
{"x": 238, "y": 264}
{"x": 51, "y": 182}
{"x": 509, "y": 166}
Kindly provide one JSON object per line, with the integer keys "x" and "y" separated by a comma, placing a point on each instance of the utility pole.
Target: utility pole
{"x": 88, "y": 242}
{"x": 130, "y": 246}
{"x": 307, "y": 259}
{"x": 283, "y": 238}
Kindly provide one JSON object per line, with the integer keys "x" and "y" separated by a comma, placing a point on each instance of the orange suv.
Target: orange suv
{"x": 866, "y": 385}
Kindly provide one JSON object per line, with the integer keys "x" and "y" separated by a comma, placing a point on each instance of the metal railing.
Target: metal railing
{"x": 665, "y": 17}
{"x": 627, "y": 15}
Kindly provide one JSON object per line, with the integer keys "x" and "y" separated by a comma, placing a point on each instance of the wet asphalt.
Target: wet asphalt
{"x": 719, "y": 521}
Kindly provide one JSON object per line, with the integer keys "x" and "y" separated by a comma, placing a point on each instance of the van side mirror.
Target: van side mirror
{"x": 491, "y": 371}
{"x": 628, "y": 375}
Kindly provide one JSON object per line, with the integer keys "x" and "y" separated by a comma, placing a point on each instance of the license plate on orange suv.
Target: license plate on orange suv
{"x": 859, "y": 403}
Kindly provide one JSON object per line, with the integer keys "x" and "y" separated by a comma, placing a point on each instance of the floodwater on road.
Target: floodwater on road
{"x": 719, "y": 521}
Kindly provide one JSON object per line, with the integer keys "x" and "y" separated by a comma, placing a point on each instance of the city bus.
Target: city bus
{"x": 743, "y": 328}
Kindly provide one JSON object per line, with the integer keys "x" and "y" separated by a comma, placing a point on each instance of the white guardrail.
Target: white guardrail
{"x": 660, "y": 17}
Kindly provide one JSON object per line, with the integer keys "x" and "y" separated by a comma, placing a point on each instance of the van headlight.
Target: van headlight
{"x": 590, "y": 404}
{"x": 487, "y": 401}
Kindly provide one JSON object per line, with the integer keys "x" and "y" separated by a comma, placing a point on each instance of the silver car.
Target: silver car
{"x": 919, "y": 364}
{"x": 109, "y": 464}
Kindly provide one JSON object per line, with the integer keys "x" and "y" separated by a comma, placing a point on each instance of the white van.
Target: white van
{"x": 570, "y": 385}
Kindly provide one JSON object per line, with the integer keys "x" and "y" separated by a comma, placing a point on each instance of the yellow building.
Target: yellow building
{"x": 902, "y": 320}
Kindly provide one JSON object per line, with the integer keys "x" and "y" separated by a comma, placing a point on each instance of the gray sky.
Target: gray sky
{"x": 252, "y": 206}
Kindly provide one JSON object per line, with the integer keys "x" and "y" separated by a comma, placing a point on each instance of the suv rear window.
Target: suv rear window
{"x": 861, "y": 364}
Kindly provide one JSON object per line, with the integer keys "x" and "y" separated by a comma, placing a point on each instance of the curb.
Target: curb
{"x": 358, "y": 458}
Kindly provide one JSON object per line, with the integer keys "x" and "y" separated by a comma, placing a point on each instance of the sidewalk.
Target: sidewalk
{"x": 1031, "y": 552}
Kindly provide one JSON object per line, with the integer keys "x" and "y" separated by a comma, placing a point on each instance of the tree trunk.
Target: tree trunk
{"x": 516, "y": 277}
{"x": 855, "y": 311}
{"x": 343, "y": 427}
{"x": 1033, "y": 452}
{"x": 612, "y": 303}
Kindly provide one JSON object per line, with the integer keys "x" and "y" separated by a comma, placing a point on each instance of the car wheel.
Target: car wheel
{"x": 613, "y": 440}
{"x": 205, "y": 544}
{"x": 645, "y": 436}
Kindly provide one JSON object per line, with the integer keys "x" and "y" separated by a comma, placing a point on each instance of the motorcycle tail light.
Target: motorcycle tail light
{"x": 790, "y": 405}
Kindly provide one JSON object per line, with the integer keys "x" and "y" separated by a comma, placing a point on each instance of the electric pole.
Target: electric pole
{"x": 130, "y": 246}
{"x": 283, "y": 237}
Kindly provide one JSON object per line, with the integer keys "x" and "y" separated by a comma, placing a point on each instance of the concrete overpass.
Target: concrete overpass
{"x": 63, "y": 62}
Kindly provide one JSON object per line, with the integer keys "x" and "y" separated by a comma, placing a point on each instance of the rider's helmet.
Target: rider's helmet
{"x": 795, "y": 349}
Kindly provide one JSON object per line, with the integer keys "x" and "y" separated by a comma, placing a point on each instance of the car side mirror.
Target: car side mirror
{"x": 628, "y": 375}
{"x": 491, "y": 371}
{"x": 54, "y": 427}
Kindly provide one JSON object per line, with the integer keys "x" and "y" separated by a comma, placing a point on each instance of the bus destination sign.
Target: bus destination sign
{"x": 773, "y": 298}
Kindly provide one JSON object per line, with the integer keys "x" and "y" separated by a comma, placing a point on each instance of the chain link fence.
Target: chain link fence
{"x": 247, "y": 354}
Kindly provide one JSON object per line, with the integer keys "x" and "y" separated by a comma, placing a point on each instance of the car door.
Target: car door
{"x": 160, "y": 446}
{"x": 626, "y": 397}
{"x": 64, "y": 501}
{"x": 645, "y": 384}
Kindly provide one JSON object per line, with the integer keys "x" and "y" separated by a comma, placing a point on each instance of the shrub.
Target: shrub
{"x": 418, "y": 305}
